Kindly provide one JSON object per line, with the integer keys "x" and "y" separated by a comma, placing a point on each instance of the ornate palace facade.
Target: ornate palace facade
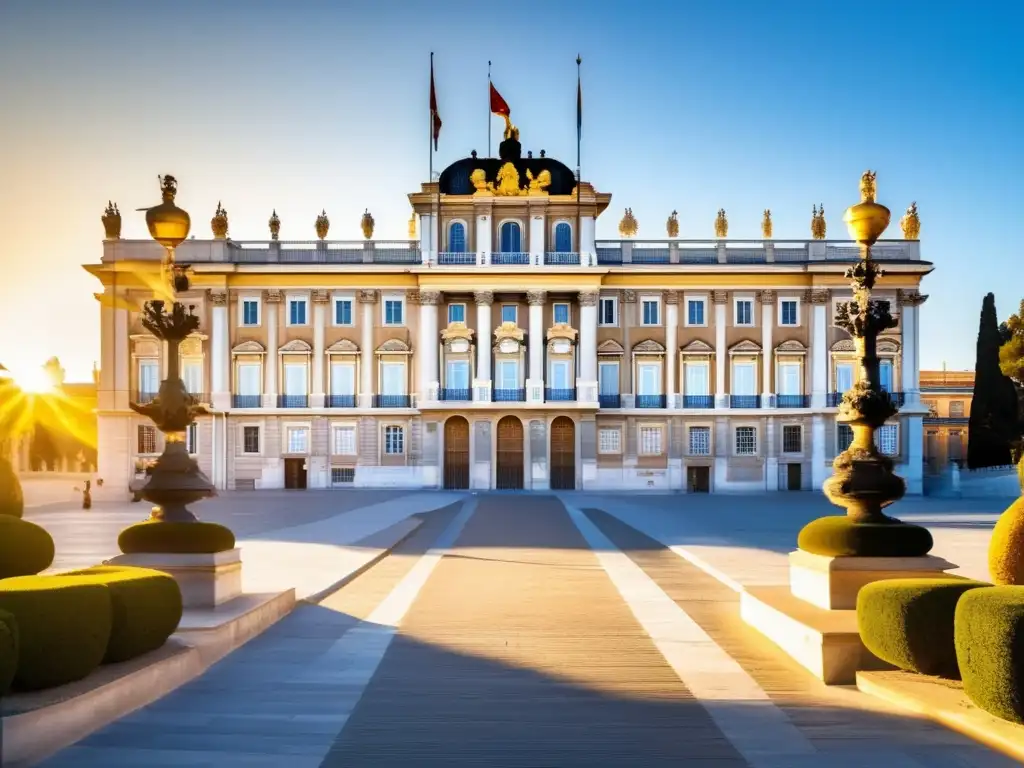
{"x": 507, "y": 347}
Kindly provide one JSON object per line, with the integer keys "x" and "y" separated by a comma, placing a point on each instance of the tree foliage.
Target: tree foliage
{"x": 1011, "y": 353}
{"x": 995, "y": 419}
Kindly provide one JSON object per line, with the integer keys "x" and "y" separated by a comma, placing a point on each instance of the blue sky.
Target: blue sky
{"x": 693, "y": 107}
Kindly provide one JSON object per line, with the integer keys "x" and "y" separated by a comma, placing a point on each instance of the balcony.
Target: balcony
{"x": 698, "y": 401}
{"x": 341, "y": 401}
{"x": 293, "y": 401}
{"x": 833, "y": 399}
{"x": 793, "y": 401}
{"x": 559, "y": 395}
{"x": 455, "y": 394}
{"x": 508, "y": 395}
{"x": 650, "y": 401}
{"x": 246, "y": 401}
{"x": 610, "y": 401}
{"x": 744, "y": 401}
{"x": 561, "y": 259}
{"x": 456, "y": 257}
{"x": 522, "y": 259}
{"x": 392, "y": 401}
{"x": 141, "y": 398}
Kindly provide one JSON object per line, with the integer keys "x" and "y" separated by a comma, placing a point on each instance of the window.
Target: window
{"x": 394, "y": 440}
{"x": 695, "y": 312}
{"x": 249, "y": 379}
{"x": 696, "y": 382}
{"x": 149, "y": 377}
{"x": 250, "y": 311}
{"x": 792, "y": 438}
{"x": 457, "y": 237}
{"x": 788, "y": 312}
{"x": 511, "y": 241}
{"x": 508, "y": 374}
{"x": 608, "y": 378}
{"x": 956, "y": 409}
{"x": 887, "y": 439}
{"x": 343, "y": 312}
{"x": 789, "y": 379}
{"x": 606, "y": 313}
{"x": 457, "y": 374}
{"x": 744, "y": 379}
{"x": 649, "y": 375}
{"x": 343, "y": 378}
{"x": 192, "y": 439}
{"x": 746, "y": 441}
{"x": 394, "y": 310}
{"x": 700, "y": 441}
{"x": 563, "y": 238}
{"x": 844, "y": 376}
{"x": 508, "y": 313}
{"x": 340, "y": 475}
{"x": 561, "y": 314}
{"x": 650, "y": 441}
{"x": 456, "y": 313}
{"x": 560, "y": 374}
{"x": 192, "y": 375}
{"x": 392, "y": 378}
{"x": 295, "y": 379}
{"x": 885, "y": 375}
{"x": 344, "y": 443}
{"x": 649, "y": 309}
{"x": 297, "y": 311}
{"x": 250, "y": 439}
{"x": 844, "y": 436}
{"x": 744, "y": 310}
{"x": 609, "y": 440}
{"x": 298, "y": 439}
{"x": 146, "y": 439}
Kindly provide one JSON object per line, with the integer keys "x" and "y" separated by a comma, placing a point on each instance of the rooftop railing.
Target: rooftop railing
{"x": 616, "y": 252}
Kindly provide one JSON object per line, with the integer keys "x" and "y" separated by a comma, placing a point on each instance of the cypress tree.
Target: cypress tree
{"x": 993, "y": 427}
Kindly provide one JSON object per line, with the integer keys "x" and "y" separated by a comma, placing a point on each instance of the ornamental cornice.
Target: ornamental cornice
{"x": 910, "y": 298}
{"x": 536, "y": 298}
{"x": 588, "y": 298}
{"x": 483, "y": 298}
{"x": 720, "y": 297}
{"x": 367, "y": 296}
{"x": 429, "y": 298}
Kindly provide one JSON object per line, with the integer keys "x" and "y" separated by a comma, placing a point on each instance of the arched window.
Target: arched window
{"x": 511, "y": 242}
{"x": 457, "y": 237}
{"x": 563, "y": 238}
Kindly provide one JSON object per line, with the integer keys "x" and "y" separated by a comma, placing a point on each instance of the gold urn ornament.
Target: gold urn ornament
{"x": 275, "y": 225}
{"x": 412, "y": 226}
{"x": 766, "y": 224}
{"x": 818, "y": 226}
{"x": 672, "y": 225}
{"x": 867, "y": 220}
{"x": 721, "y": 224}
{"x": 911, "y": 223}
{"x": 323, "y": 224}
{"x": 367, "y": 224}
{"x": 168, "y": 224}
{"x": 219, "y": 223}
{"x": 628, "y": 227}
{"x": 111, "y": 222}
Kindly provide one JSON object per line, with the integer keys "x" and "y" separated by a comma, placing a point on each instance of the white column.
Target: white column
{"x": 819, "y": 350}
{"x": 671, "y": 346}
{"x": 220, "y": 354}
{"x": 535, "y": 384}
{"x": 368, "y": 300}
{"x": 721, "y": 353}
{"x": 767, "y": 358}
{"x": 271, "y": 303}
{"x": 428, "y": 239}
{"x": 484, "y": 338}
{"x": 819, "y": 471}
{"x": 771, "y": 463}
{"x": 317, "y": 392}
{"x": 483, "y": 239}
{"x": 588, "y": 243}
{"x": 914, "y": 471}
{"x": 537, "y": 244}
{"x": 426, "y": 354}
{"x": 586, "y": 386}
{"x": 911, "y": 371}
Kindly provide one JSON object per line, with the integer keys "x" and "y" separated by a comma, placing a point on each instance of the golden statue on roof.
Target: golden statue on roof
{"x": 628, "y": 227}
{"x": 911, "y": 223}
{"x": 868, "y": 190}
{"x": 766, "y": 224}
{"x": 508, "y": 181}
{"x": 539, "y": 183}
{"x": 721, "y": 224}
{"x": 818, "y": 225}
{"x": 672, "y": 225}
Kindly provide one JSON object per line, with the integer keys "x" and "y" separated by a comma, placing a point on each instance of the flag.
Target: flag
{"x": 498, "y": 105}
{"x": 434, "y": 117}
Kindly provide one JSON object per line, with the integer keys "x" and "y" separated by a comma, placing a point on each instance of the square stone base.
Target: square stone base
{"x": 205, "y": 580}
{"x": 832, "y": 583}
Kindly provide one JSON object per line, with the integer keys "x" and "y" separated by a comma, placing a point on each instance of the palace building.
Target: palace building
{"x": 506, "y": 347}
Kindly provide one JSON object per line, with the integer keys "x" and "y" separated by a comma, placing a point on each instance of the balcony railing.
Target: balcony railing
{"x": 511, "y": 258}
{"x": 392, "y": 401}
{"x": 609, "y": 401}
{"x": 341, "y": 401}
{"x": 456, "y": 257}
{"x": 458, "y": 394}
{"x": 552, "y": 395}
{"x": 792, "y": 401}
{"x": 650, "y": 401}
{"x": 246, "y": 401}
{"x": 698, "y": 401}
{"x": 746, "y": 251}
{"x": 508, "y": 395}
{"x": 293, "y": 401}
{"x": 833, "y": 399}
{"x": 561, "y": 259}
{"x": 145, "y": 397}
{"x": 744, "y": 401}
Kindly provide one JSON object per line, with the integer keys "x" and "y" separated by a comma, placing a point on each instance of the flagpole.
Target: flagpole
{"x": 579, "y": 175}
{"x": 430, "y": 149}
{"x": 488, "y": 108}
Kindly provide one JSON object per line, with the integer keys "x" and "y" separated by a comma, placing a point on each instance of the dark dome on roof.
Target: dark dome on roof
{"x": 455, "y": 178}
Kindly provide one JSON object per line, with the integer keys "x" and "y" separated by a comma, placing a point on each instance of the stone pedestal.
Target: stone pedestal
{"x": 206, "y": 580}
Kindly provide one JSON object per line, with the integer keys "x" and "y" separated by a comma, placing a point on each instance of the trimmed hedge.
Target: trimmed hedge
{"x": 12, "y": 502}
{"x": 146, "y": 608}
{"x": 841, "y": 536}
{"x": 175, "y": 538}
{"x": 63, "y": 626}
{"x": 909, "y": 622}
{"x": 25, "y": 548}
{"x": 1006, "y": 547}
{"x": 989, "y": 638}
{"x": 8, "y": 650}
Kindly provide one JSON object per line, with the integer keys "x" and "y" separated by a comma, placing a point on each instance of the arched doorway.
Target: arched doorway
{"x": 563, "y": 454}
{"x": 456, "y": 453}
{"x": 510, "y": 454}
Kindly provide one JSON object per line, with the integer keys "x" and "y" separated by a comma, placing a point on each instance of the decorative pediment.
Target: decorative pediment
{"x": 561, "y": 331}
{"x": 296, "y": 347}
{"x": 844, "y": 345}
{"x": 560, "y": 345}
{"x": 394, "y": 347}
{"x": 146, "y": 345}
{"x": 697, "y": 347}
{"x": 509, "y": 330}
{"x": 649, "y": 347}
{"x": 791, "y": 347}
{"x": 248, "y": 348}
{"x": 343, "y": 347}
{"x": 191, "y": 347}
{"x": 610, "y": 347}
{"x": 456, "y": 330}
{"x": 745, "y": 347}
{"x": 887, "y": 347}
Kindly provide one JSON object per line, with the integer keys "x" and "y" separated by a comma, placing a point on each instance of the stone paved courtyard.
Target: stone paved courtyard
{"x": 524, "y": 630}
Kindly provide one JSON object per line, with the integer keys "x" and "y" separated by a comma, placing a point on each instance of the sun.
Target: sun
{"x": 33, "y": 379}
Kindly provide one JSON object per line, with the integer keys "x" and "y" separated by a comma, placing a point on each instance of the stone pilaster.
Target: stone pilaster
{"x": 368, "y": 300}
{"x": 484, "y": 339}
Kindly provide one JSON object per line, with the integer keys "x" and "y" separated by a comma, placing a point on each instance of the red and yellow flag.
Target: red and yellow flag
{"x": 434, "y": 117}
{"x": 498, "y": 105}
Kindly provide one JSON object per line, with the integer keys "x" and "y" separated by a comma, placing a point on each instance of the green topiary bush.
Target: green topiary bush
{"x": 1006, "y": 547}
{"x": 175, "y": 538}
{"x": 989, "y": 637}
{"x": 63, "y": 627}
{"x": 146, "y": 608}
{"x": 8, "y": 650}
{"x": 909, "y": 622}
{"x": 841, "y": 536}
{"x": 12, "y": 502}
{"x": 25, "y": 548}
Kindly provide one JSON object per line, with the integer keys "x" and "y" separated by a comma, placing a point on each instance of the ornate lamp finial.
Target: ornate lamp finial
{"x": 721, "y": 224}
{"x": 367, "y": 224}
{"x": 168, "y": 224}
{"x": 628, "y": 227}
{"x": 911, "y": 223}
{"x": 867, "y": 220}
{"x": 766, "y": 224}
{"x": 868, "y": 188}
{"x": 219, "y": 223}
{"x": 111, "y": 222}
{"x": 672, "y": 225}
{"x": 275, "y": 225}
{"x": 818, "y": 226}
{"x": 323, "y": 224}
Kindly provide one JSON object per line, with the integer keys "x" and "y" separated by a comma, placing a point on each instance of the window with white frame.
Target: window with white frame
{"x": 563, "y": 237}
{"x": 457, "y": 237}
{"x": 607, "y": 313}
{"x": 561, "y": 374}
{"x": 649, "y": 379}
{"x": 844, "y": 376}
{"x": 192, "y": 375}
{"x": 608, "y": 377}
{"x": 392, "y": 378}
{"x": 250, "y": 439}
{"x": 457, "y": 374}
{"x": 394, "y": 440}
{"x": 508, "y": 374}
{"x": 149, "y": 377}
{"x": 789, "y": 378}
{"x": 746, "y": 441}
{"x": 789, "y": 312}
{"x": 844, "y": 437}
{"x": 341, "y": 475}
{"x": 650, "y": 311}
{"x": 249, "y": 375}
{"x": 508, "y": 313}
{"x": 192, "y": 439}
{"x": 510, "y": 237}
{"x": 743, "y": 312}
{"x": 609, "y": 440}
{"x": 298, "y": 313}
{"x": 250, "y": 312}
{"x": 343, "y": 378}
{"x": 393, "y": 308}
{"x": 298, "y": 439}
{"x": 343, "y": 311}
{"x": 456, "y": 313}
{"x": 343, "y": 441}
{"x": 296, "y": 378}
{"x": 700, "y": 441}
{"x": 650, "y": 443}
{"x": 146, "y": 439}
{"x": 887, "y": 439}
{"x": 885, "y": 378}
{"x": 697, "y": 378}
{"x": 696, "y": 311}
{"x": 561, "y": 313}
{"x": 792, "y": 438}
{"x": 744, "y": 378}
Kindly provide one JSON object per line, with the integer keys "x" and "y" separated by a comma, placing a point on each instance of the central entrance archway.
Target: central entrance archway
{"x": 563, "y": 454}
{"x": 509, "y": 474}
{"x": 456, "y": 453}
